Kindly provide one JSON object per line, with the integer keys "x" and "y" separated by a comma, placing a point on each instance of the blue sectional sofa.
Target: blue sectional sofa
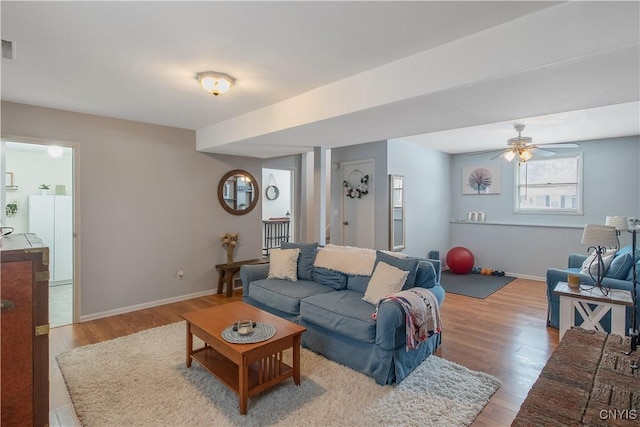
{"x": 619, "y": 275}
{"x": 339, "y": 323}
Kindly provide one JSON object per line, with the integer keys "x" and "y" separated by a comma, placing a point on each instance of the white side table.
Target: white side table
{"x": 578, "y": 299}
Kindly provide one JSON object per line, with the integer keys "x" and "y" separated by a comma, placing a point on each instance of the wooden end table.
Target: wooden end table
{"x": 572, "y": 299}
{"x": 226, "y": 273}
{"x": 247, "y": 369}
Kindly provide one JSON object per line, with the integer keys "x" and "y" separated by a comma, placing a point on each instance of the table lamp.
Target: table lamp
{"x": 599, "y": 238}
{"x": 620, "y": 223}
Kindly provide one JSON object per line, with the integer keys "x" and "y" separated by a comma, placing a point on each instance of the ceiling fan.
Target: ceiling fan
{"x": 524, "y": 148}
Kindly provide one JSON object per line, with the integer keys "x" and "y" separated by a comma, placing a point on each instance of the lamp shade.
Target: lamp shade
{"x": 600, "y": 235}
{"x": 619, "y": 222}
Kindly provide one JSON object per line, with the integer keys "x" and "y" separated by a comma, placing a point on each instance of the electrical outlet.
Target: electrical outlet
{"x": 180, "y": 274}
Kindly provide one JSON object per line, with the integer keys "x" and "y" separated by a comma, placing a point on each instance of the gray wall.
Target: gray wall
{"x": 148, "y": 207}
{"x": 427, "y": 191}
{"x": 527, "y": 244}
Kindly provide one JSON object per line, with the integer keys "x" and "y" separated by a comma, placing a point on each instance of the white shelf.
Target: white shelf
{"x": 513, "y": 224}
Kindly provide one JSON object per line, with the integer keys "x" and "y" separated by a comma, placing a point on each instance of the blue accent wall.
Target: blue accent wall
{"x": 427, "y": 190}
{"x": 527, "y": 244}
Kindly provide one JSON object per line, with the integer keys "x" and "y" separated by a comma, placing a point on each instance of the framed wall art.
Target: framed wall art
{"x": 481, "y": 179}
{"x": 9, "y": 184}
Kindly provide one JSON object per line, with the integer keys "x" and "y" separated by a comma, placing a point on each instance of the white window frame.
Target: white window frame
{"x": 551, "y": 211}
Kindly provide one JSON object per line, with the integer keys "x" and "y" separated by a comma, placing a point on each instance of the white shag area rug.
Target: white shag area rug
{"x": 142, "y": 380}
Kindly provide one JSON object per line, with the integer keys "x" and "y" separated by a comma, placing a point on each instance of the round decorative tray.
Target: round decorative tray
{"x": 262, "y": 332}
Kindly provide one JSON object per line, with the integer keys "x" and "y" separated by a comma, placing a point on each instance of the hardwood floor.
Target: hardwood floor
{"x": 504, "y": 335}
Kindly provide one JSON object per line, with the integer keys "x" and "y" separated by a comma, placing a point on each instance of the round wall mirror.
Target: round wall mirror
{"x": 238, "y": 192}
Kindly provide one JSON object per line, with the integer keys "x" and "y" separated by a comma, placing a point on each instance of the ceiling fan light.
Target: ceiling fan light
{"x": 509, "y": 155}
{"x": 525, "y": 155}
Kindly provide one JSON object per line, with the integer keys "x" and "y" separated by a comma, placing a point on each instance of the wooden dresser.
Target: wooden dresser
{"x": 24, "y": 365}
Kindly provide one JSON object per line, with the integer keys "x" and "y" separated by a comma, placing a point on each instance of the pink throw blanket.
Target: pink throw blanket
{"x": 422, "y": 314}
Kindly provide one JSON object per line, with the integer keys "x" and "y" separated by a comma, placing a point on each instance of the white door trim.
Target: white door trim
{"x": 295, "y": 217}
{"x": 76, "y": 207}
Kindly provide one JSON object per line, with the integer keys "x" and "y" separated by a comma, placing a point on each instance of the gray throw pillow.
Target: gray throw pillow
{"x": 425, "y": 275}
{"x": 331, "y": 278}
{"x": 306, "y": 258}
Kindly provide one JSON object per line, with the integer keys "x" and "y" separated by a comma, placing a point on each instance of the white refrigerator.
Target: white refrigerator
{"x": 51, "y": 219}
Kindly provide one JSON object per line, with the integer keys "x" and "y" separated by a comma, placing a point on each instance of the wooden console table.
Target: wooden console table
{"x": 226, "y": 273}
{"x": 572, "y": 299}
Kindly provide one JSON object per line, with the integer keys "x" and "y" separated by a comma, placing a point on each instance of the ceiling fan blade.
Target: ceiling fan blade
{"x": 499, "y": 154}
{"x": 501, "y": 150}
{"x": 541, "y": 152}
{"x": 559, "y": 145}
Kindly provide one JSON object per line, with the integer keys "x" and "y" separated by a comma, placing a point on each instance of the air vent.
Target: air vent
{"x": 8, "y": 50}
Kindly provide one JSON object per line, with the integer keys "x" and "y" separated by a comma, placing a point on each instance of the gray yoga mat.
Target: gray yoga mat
{"x": 473, "y": 285}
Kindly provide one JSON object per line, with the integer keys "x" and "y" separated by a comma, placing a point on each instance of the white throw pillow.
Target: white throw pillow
{"x": 607, "y": 258}
{"x": 386, "y": 279}
{"x": 283, "y": 264}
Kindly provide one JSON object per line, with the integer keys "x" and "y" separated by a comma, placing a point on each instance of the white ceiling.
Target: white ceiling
{"x": 452, "y": 75}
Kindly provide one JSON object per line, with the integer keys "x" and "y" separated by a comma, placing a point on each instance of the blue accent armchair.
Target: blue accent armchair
{"x": 619, "y": 275}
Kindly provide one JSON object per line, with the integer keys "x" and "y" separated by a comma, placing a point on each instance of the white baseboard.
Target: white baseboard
{"x": 526, "y": 276}
{"x": 150, "y": 304}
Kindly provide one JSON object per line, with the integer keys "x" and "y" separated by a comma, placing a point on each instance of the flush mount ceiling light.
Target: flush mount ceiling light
{"x": 215, "y": 83}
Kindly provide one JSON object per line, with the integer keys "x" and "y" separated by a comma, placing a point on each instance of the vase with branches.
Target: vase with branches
{"x": 229, "y": 241}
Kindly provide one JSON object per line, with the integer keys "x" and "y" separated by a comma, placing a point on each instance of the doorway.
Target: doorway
{"x": 278, "y": 217}
{"x": 41, "y": 199}
{"x": 358, "y": 208}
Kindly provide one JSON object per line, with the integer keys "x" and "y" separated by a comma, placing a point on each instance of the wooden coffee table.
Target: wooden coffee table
{"x": 247, "y": 369}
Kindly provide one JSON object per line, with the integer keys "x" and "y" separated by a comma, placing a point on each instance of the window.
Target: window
{"x": 549, "y": 185}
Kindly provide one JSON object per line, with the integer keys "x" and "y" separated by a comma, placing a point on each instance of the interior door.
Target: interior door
{"x": 358, "y": 206}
